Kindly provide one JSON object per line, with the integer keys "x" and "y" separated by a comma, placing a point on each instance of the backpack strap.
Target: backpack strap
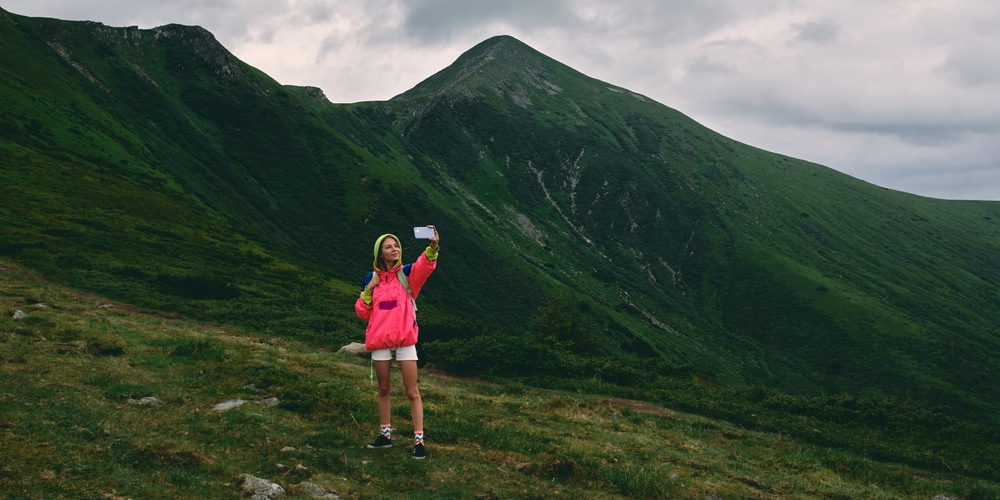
{"x": 403, "y": 280}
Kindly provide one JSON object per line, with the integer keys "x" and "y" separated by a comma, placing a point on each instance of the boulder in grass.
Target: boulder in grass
{"x": 256, "y": 488}
{"x": 315, "y": 491}
{"x": 354, "y": 348}
{"x": 269, "y": 402}
{"x": 19, "y": 314}
{"x": 229, "y": 404}
{"x": 148, "y": 400}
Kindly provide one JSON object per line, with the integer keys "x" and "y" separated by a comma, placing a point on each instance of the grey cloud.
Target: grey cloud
{"x": 972, "y": 181}
{"x": 713, "y": 59}
{"x": 596, "y": 55}
{"x": 916, "y": 133}
{"x": 685, "y": 20}
{"x": 771, "y": 108}
{"x": 650, "y": 23}
{"x": 319, "y": 11}
{"x": 704, "y": 66}
{"x": 818, "y": 32}
{"x": 434, "y": 21}
{"x": 227, "y": 19}
{"x": 973, "y": 64}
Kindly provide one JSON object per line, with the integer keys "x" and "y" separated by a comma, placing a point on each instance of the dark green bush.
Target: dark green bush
{"x": 105, "y": 345}
{"x": 305, "y": 397}
{"x": 263, "y": 375}
{"x": 564, "y": 329}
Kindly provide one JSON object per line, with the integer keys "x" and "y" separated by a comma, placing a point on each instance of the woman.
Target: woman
{"x": 392, "y": 326}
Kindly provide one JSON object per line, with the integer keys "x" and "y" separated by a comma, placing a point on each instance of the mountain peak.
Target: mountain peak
{"x": 499, "y": 63}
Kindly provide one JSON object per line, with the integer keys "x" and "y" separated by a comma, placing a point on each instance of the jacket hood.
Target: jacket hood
{"x": 378, "y": 248}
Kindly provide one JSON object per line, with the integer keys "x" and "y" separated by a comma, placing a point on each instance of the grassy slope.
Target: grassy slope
{"x": 67, "y": 431}
{"x": 771, "y": 270}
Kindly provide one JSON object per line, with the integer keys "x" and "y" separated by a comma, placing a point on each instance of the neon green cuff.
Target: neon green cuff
{"x": 431, "y": 254}
{"x": 366, "y": 295}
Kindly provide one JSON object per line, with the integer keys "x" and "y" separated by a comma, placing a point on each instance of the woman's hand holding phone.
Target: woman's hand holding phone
{"x": 427, "y": 233}
{"x": 434, "y": 240}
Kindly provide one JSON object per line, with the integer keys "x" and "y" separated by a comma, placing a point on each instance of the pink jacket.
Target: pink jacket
{"x": 392, "y": 322}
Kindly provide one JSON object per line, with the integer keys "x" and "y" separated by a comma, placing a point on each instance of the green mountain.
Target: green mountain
{"x": 154, "y": 167}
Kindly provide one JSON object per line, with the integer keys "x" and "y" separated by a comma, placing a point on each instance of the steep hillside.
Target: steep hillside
{"x": 813, "y": 281}
{"x": 154, "y": 167}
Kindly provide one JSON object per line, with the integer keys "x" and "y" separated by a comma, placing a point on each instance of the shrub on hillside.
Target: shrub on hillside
{"x": 504, "y": 355}
{"x": 563, "y": 329}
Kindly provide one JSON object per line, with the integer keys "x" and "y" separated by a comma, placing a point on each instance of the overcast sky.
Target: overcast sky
{"x": 903, "y": 94}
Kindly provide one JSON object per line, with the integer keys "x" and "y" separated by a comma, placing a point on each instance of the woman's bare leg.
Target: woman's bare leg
{"x": 409, "y": 369}
{"x": 384, "y": 388}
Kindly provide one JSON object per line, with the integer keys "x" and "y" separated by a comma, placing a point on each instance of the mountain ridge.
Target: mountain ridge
{"x": 675, "y": 241}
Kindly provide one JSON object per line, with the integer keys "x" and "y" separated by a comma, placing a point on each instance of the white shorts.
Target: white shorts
{"x": 406, "y": 353}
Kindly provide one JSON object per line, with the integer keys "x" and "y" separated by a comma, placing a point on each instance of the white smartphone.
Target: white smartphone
{"x": 423, "y": 233}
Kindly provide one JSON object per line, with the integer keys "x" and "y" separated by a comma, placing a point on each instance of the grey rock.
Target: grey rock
{"x": 256, "y": 488}
{"x": 288, "y": 449}
{"x": 229, "y": 404}
{"x": 40, "y": 306}
{"x": 942, "y": 497}
{"x": 269, "y": 402}
{"x": 354, "y": 348}
{"x": 316, "y": 491}
{"x": 19, "y": 314}
{"x": 107, "y": 306}
{"x": 148, "y": 400}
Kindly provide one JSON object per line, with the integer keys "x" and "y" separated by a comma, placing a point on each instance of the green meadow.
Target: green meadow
{"x": 68, "y": 431}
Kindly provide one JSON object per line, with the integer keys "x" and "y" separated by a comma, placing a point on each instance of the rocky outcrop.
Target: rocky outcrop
{"x": 205, "y": 45}
{"x": 354, "y": 348}
{"x": 314, "y": 491}
{"x": 310, "y": 93}
{"x": 228, "y": 404}
{"x": 255, "y": 488}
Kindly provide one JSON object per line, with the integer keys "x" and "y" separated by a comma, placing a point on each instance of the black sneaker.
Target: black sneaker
{"x": 381, "y": 442}
{"x": 418, "y": 452}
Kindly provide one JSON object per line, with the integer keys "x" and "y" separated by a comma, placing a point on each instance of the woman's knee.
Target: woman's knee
{"x": 413, "y": 394}
{"x": 383, "y": 391}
